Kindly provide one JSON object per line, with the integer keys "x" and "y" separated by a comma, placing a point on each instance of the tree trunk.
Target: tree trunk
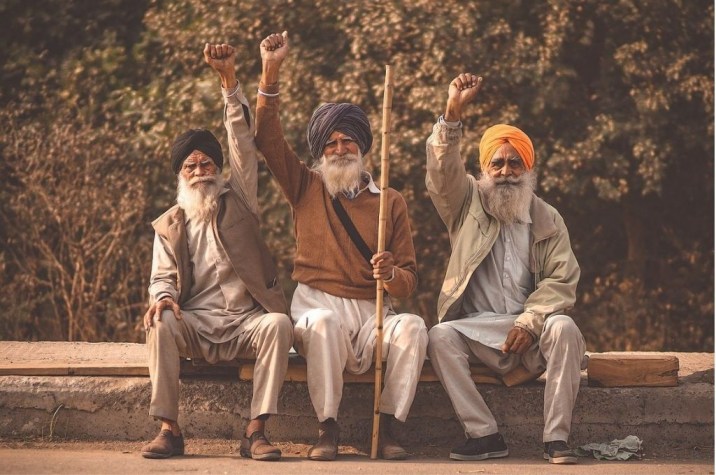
{"x": 634, "y": 227}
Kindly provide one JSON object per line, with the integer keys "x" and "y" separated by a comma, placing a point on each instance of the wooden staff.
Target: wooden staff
{"x": 384, "y": 170}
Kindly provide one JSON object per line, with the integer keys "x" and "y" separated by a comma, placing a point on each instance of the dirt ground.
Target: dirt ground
{"x": 230, "y": 447}
{"x": 212, "y": 456}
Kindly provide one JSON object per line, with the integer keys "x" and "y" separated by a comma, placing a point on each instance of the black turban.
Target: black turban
{"x": 196, "y": 139}
{"x": 344, "y": 117}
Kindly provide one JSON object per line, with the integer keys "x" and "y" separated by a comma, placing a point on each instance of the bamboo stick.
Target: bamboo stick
{"x": 384, "y": 172}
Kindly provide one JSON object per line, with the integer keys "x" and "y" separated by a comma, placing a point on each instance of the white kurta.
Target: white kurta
{"x": 497, "y": 290}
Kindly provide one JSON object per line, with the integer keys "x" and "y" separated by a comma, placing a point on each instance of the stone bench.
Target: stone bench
{"x": 101, "y": 391}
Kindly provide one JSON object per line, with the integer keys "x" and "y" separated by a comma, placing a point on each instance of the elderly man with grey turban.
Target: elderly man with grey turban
{"x": 511, "y": 277}
{"x": 333, "y": 307}
{"x": 214, "y": 290}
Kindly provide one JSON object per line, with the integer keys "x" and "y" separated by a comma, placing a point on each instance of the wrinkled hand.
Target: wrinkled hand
{"x": 274, "y": 47}
{"x": 518, "y": 341}
{"x": 157, "y": 308}
{"x": 462, "y": 90}
{"x": 382, "y": 265}
{"x": 222, "y": 58}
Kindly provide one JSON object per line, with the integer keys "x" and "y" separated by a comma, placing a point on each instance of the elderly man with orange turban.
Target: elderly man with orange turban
{"x": 511, "y": 277}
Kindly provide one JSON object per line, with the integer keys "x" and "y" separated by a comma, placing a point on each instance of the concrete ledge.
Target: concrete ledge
{"x": 115, "y": 408}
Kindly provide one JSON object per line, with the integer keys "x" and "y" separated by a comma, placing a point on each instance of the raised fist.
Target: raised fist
{"x": 220, "y": 57}
{"x": 464, "y": 88}
{"x": 274, "y": 47}
{"x": 462, "y": 91}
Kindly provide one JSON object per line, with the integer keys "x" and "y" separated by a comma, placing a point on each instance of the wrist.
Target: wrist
{"x": 270, "y": 72}
{"x": 453, "y": 111}
{"x": 229, "y": 81}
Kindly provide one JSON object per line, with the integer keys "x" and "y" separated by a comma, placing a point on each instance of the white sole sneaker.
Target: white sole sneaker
{"x": 485, "y": 456}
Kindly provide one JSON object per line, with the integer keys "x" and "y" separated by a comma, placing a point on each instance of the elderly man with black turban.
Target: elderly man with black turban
{"x": 214, "y": 290}
{"x": 511, "y": 276}
{"x": 333, "y": 307}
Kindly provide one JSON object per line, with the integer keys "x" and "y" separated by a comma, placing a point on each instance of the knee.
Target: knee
{"x": 413, "y": 325}
{"x": 166, "y": 327}
{"x": 322, "y": 321}
{"x": 278, "y": 325}
{"x": 440, "y": 336}
{"x": 411, "y": 330}
{"x": 440, "y": 333}
{"x": 562, "y": 327}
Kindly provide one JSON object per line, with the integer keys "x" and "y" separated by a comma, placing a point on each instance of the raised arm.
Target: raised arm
{"x": 446, "y": 179}
{"x": 243, "y": 157}
{"x": 292, "y": 175}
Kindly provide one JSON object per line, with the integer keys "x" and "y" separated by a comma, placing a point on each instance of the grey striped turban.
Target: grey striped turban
{"x": 344, "y": 117}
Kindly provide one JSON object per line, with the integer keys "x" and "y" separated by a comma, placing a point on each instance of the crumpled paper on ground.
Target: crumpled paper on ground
{"x": 617, "y": 449}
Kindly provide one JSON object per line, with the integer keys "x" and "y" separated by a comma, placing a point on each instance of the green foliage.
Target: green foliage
{"x": 617, "y": 96}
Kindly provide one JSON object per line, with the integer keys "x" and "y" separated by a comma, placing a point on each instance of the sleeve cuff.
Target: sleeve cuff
{"x": 526, "y": 328}
{"x": 163, "y": 292}
{"x": 269, "y": 88}
{"x": 233, "y": 92}
{"x": 446, "y": 134}
{"x": 450, "y": 124}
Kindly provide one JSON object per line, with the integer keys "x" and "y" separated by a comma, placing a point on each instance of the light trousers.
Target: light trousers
{"x": 559, "y": 351}
{"x": 267, "y": 338}
{"x": 336, "y": 334}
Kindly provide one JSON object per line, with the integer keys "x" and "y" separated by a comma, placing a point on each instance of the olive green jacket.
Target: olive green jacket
{"x": 473, "y": 231}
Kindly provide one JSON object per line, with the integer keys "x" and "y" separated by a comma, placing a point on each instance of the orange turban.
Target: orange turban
{"x": 499, "y": 134}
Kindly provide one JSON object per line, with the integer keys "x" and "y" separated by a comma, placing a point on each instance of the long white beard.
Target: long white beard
{"x": 199, "y": 196}
{"x": 341, "y": 174}
{"x": 507, "y": 198}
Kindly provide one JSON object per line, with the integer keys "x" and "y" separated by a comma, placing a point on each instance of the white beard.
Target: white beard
{"x": 508, "y": 199}
{"x": 341, "y": 174}
{"x": 199, "y": 196}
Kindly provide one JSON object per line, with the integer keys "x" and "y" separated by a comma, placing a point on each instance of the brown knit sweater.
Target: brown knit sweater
{"x": 326, "y": 258}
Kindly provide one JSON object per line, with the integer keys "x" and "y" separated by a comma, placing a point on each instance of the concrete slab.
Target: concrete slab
{"x": 115, "y": 408}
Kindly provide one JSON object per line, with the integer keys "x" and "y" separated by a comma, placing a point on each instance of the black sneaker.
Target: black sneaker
{"x": 489, "y": 447}
{"x": 559, "y": 452}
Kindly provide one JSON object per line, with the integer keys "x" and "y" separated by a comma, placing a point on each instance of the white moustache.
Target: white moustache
{"x": 343, "y": 159}
{"x": 202, "y": 179}
{"x": 508, "y": 180}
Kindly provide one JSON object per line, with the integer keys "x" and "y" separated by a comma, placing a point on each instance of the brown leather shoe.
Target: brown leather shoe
{"x": 164, "y": 445}
{"x": 327, "y": 446}
{"x": 388, "y": 447}
{"x": 258, "y": 447}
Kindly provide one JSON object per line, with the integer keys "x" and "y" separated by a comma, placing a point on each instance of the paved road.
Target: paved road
{"x": 74, "y": 460}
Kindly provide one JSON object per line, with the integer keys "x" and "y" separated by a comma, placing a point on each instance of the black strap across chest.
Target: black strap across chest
{"x": 351, "y": 229}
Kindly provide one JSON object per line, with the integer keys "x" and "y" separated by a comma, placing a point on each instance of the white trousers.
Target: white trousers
{"x": 266, "y": 337}
{"x": 336, "y": 334}
{"x": 560, "y": 351}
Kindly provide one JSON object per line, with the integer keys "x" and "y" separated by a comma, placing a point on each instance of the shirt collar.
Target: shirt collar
{"x": 367, "y": 184}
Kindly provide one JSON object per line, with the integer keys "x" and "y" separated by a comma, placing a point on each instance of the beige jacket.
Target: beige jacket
{"x": 236, "y": 223}
{"x": 473, "y": 232}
